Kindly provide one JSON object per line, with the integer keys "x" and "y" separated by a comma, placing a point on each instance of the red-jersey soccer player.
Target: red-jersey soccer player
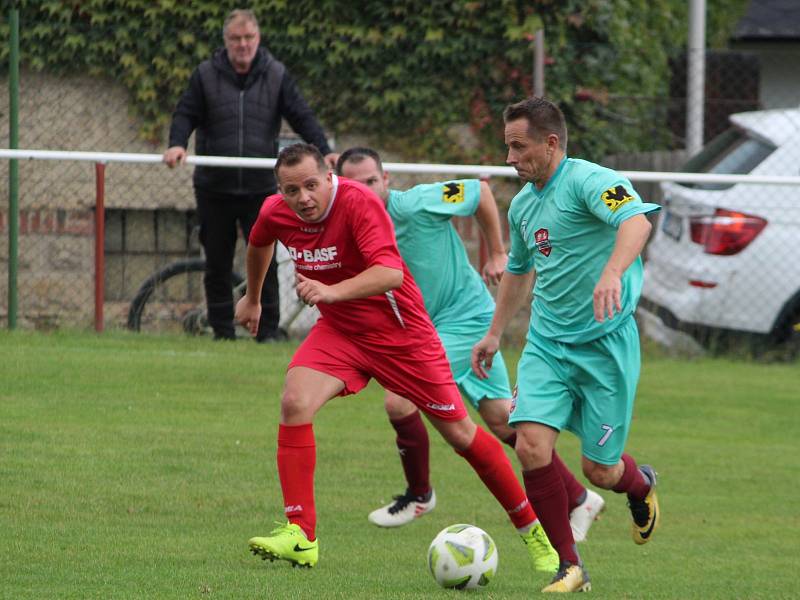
{"x": 373, "y": 324}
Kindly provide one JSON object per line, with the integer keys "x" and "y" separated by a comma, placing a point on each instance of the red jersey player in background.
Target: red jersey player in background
{"x": 373, "y": 324}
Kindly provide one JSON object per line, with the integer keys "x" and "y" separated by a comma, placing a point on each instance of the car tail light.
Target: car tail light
{"x": 726, "y": 232}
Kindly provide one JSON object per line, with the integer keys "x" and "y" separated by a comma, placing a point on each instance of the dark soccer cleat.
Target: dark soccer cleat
{"x": 570, "y": 578}
{"x": 646, "y": 513}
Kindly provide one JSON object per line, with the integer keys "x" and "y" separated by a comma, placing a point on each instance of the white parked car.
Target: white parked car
{"x": 724, "y": 263}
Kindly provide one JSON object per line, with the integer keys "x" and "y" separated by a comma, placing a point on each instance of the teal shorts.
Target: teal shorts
{"x": 458, "y": 346}
{"x": 588, "y": 389}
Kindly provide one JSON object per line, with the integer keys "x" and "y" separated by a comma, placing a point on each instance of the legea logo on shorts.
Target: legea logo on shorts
{"x": 441, "y": 407}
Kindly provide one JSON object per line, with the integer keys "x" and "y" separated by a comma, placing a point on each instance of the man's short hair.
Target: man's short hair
{"x": 239, "y": 13}
{"x": 294, "y": 154}
{"x": 357, "y": 154}
{"x": 543, "y": 118}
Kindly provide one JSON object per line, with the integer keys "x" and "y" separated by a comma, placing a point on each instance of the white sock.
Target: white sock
{"x": 527, "y": 529}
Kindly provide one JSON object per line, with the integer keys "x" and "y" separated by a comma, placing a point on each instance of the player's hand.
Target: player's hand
{"x": 313, "y": 292}
{"x": 248, "y": 314}
{"x": 176, "y": 155}
{"x": 494, "y": 268}
{"x": 330, "y": 159}
{"x": 483, "y": 354}
{"x": 607, "y": 296}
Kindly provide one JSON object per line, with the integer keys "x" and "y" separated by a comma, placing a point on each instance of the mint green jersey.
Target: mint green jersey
{"x": 452, "y": 289}
{"x": 566, "y": 233}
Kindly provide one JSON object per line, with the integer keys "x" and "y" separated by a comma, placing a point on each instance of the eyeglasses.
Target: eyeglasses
{"x": 235, "y": 39}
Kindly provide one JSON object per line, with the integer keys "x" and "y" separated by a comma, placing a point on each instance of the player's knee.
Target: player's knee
{"x": 398, "y": 407}
{"x": 502, "y": 431}
{"x": 533, "y": 452}
{"x": 494, "y": 413}
{"x": 602, "y": 476}
{"x": 294, "y": 407}
{"x": 493, "y": 417}
{"x": 459, "y": 434}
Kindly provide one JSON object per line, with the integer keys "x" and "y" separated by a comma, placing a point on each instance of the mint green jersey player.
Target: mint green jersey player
{"x": 455, "y": 296}
{"x": 575, "y": 372}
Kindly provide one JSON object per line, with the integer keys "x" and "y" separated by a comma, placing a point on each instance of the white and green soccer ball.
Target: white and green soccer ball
{"x": 462, "y": 556}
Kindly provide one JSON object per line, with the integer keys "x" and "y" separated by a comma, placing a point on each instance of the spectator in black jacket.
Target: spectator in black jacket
{"x": 235, "y": 102}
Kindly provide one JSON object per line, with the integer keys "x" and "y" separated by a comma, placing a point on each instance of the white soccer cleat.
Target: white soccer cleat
{"x": 405, "y": 508}
{"x": 583, "y": 515}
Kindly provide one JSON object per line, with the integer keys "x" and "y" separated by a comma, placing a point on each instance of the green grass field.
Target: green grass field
{"x": 135, "y": 467}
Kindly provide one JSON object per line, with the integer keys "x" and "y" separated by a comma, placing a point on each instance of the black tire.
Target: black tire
{"x": 172, "y": 300}
{"x": 785, "y": 337}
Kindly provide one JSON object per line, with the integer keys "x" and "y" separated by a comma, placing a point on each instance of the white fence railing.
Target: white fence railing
{"x": 421, "y": 168}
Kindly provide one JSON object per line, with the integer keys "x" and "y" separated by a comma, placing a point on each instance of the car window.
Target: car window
{"x": 730, "y": 153}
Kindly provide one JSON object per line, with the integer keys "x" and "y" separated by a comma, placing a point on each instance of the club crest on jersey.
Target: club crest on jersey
{"x": 453, "y": 192}
{"x": 616, "y": 197}
{"x": 542, "y": 239}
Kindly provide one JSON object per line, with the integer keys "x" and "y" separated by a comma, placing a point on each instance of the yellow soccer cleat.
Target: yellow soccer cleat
{"x": 543, "y": 555}
{"x": 286, "y": 542}
{"x": 570, "y": 578}
{"x": 646, "y": 513}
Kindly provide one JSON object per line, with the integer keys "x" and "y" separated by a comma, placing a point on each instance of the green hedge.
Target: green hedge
{"x": 402, "y": 71}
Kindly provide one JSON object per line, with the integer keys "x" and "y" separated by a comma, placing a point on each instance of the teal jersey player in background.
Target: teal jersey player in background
{"x": 453, "y": 291}
{"x": 577, "y": 231}
{"x": 461, "y": 308}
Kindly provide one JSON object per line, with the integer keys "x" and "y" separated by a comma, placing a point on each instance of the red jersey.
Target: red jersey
{"x": 356, "y": 233}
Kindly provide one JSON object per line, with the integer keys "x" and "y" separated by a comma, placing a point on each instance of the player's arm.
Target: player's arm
{"x": 248, "y": 309}
{"x": 374, "y": 280}
{"x": 631, "y": 238}
{"x": 488, "y": 219}
{"x": 511, "y": 294}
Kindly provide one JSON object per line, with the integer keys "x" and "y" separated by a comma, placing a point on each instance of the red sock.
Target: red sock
{"x": 486, "y": 456}
{"x": 632, "y": 481}
{"x": 548, "y": 495}
{"x": 576, "y": 493}
{"x": 297, "y": 457}
{"x": 414, "y": 448}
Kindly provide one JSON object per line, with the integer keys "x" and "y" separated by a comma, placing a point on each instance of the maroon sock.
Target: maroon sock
{"x": 632, "y": 482}
{"x": 547, "y": 493}
{"x": 414, "y": 448}
{"x": 511, "y": 440}
{"x": 576, "y": 493}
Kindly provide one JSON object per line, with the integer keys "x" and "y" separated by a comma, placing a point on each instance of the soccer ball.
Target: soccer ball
{"x": 462, "y": 556}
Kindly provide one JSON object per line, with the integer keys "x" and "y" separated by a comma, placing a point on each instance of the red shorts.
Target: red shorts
{"x": 424, "y": 376}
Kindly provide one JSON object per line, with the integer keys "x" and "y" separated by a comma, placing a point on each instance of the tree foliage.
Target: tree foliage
{"x": 403, "y": 71}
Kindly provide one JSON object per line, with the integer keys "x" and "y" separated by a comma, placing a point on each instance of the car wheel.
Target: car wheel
{"x": 786, "y": 334}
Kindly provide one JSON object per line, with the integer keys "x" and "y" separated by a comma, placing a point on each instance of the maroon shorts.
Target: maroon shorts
{"x": 423, "y": 376}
